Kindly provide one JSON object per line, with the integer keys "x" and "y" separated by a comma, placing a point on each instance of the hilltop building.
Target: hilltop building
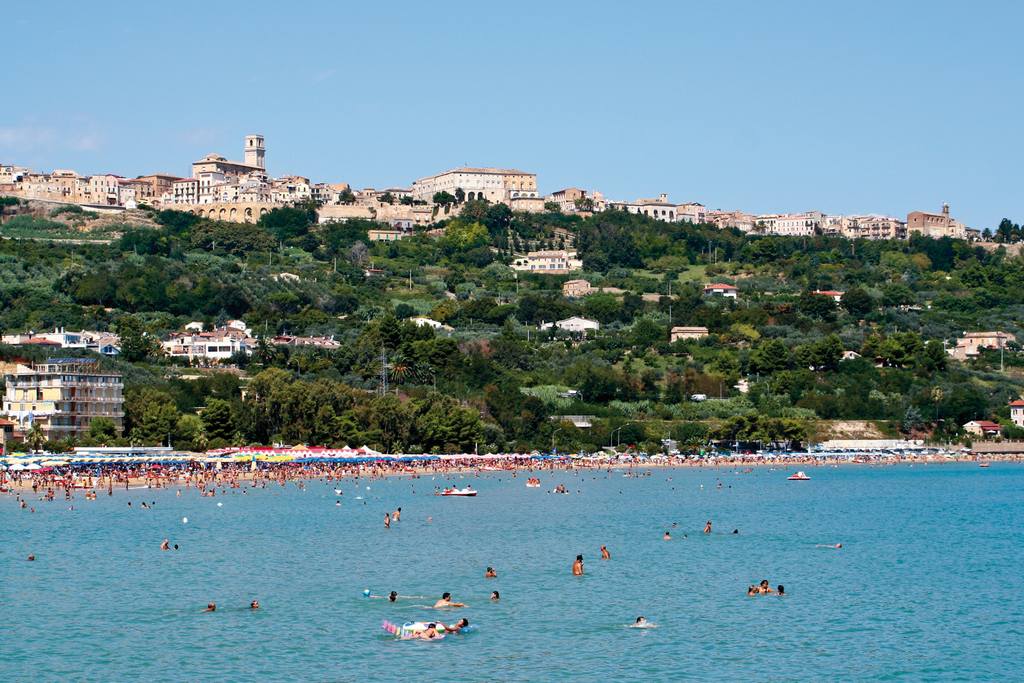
{"x": 935, "y": 224}
{"x": 499, "y": 185}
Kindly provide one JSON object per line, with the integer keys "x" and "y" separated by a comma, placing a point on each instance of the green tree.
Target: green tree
{"x": 102, "y": 430}
{"x": 35, "y": 438}
{"x": 136, "y": 344}
{"x": 190, "y": 434}
{"x": 857, "y": 302}
{"x": 218, "y": 422}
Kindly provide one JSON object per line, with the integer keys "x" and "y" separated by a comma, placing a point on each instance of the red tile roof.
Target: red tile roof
{"x": 716, "y": 285}
{"x": 1017, "y": 404}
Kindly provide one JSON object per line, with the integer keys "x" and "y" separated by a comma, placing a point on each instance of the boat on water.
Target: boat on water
{"x": 799, "y": 476}
{"x": 468, "y": 492}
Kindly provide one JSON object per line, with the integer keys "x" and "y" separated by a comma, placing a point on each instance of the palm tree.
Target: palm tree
{"x": 35, "y": 437}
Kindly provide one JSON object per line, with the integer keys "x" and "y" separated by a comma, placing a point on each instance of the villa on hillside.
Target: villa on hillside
{"x": 831, "y": 293}
{"x": 983, "y": 428}
{"x": 722, "y": 290}
{"x": 551, "y": 262}
{"x": 971, "y": 344}
{"x": 575, "y": 325}
{"x": 679, "y": 333}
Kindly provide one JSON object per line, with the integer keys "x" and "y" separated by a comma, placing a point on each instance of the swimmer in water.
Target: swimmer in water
{"x": 577, "y": 566}
{"x": 490, "y": 573}
{"x": 667, "y": 537}
{"x": 211, "y": 607}
{"x": 387, "y": 520}
{"x": 707, "y": 527}
{"x": 640, "y": 621}
{"x": 446, "y": 601}
{"x": 605, "y": 555}
{"x": 397, "y": 516}
{"x": 735, "y": 531}
{"x": 780, "y": 590}
{"x": 165, "y": 545}
{"x": 255, "y": 604}
{"x": 764, "y": 588}
{"x": 495, "y": 597}
{"x": 31, "y": 558}
{"x": 837, "y": 546}
{"x": 751, "y": 591}
{"x": 392, "y": 596}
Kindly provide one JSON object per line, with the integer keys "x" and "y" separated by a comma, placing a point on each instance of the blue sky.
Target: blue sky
{"x": 763, "y": 106}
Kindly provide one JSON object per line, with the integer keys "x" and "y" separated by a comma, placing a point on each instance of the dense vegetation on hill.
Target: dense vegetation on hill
{"x": 496, "y": 380}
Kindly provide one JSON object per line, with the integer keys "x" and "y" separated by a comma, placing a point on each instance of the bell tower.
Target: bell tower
{"x": 255, "y": 151}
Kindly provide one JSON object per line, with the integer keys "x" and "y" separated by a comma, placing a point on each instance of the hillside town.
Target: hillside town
{"x": 243, "y": 191}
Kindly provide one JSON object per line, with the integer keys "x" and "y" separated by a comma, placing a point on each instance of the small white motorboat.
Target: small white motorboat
{"x": 468, "y": 492}
{"x": 799, "y": 476}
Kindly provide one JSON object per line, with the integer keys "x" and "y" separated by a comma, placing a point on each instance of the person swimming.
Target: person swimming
{"x": 490, "y": 573}
{"x": 446, "y": 601}
{"x": 764, "y": 588}
{"x": 667, "y": 536}
{"x": 495, "y": 597}
{"x": 707, "y": 527}
{"x": 255, "y": 604}
{"x": 752, "y": 591}
{"x": 211, "y": 607}
{"x": 836, "y": 546}
{"x": 397, "y": 516}
{"x": 780, "y": 590}
{"x": 605, "y": 555}
{"x": 165, "y": 545}
{"x": 392, "y": 596}
{"x": 429, "y": 633}
{"x": 577, "y": 566}
{"x": 640, "y": 621}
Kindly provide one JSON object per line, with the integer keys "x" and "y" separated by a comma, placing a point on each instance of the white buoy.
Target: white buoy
{"x": 184, "y": 520}
{"x": 220, "y": 505}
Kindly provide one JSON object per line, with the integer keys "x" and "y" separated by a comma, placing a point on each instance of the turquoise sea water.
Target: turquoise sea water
{"x": 929, "y": 584}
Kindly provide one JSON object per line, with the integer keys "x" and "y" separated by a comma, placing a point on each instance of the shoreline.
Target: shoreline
{"x": 118, "y": 477}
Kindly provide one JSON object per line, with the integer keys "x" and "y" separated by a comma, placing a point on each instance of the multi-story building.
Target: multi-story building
{"x": 493, "y": 184}
{"x": 1017, "y": 412}
{"x": 575, "y": 200}
{"x": 971, "y": 344}
{"x": 550, "y": 262}
{"x": 64, "y": 395}
{"x": 744, "y": 222}
{"x": 789, "y": 224}
{"x": 663, "y": 210}
{"x": 255, "y": 161}
{"x": 218, "y": 345}
{"x": 935, "y": 224}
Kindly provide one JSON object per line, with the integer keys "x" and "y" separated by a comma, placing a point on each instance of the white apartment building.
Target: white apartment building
{"x": 789, "y": 224}
{"x": 493, "y": 184}
{"x": 663, "y": 210}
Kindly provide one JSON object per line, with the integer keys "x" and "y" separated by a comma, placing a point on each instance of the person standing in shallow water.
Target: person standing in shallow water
{"x": 605, "y": 555}
{"x": 577, "y": 566}
{"x": 387, "y": 520}
{"x": 707, "y": 527}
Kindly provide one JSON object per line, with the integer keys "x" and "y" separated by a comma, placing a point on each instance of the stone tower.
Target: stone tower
{"x": 254, "y": 151}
